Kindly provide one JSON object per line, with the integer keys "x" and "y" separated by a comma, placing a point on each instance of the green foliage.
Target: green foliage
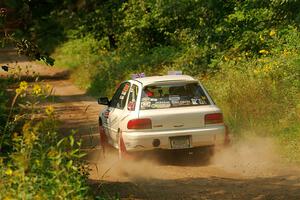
{"x": 4, "y": 98}
{"x": 246, "y": 52}
{"x": 78, "y": 52}
{"x": 82, "y": 57}
{"x": 261, "y": 96}
{"x": 256, "y": 96}
{"x": 15, "y": 19}
{"x": 39, "y": 163}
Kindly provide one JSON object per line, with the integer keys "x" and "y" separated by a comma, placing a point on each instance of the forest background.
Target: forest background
{"x": 246, "y": 53}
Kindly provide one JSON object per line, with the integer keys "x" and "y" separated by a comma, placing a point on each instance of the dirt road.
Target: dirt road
{"x": 248, "y": 170}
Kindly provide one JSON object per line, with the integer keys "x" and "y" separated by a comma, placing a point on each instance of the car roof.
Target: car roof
{"x": 166, "y": 78}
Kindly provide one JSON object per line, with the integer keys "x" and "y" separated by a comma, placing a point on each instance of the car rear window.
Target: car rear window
{"x": 165, "y": 95}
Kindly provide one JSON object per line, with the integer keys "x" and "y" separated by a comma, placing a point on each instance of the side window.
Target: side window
{"x": 120, "y": 96}
{"x": 132, "y": 98}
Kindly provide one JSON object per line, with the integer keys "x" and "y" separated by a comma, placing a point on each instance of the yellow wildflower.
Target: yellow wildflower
{"x": 261, "y": 38}
{"x": 267, "y": 68}
{"x": 22, "y": 87}
{"x": 263, "y": 51}
{"x": 49, "y": 110}
{"x": 8, "y": 172}
{"x": 256, "y": 71}
{"x": 285, "y": 52}
{"x": 18, "y": 91}
{"x": 37, "y": 90}
{"x": 272, "y": 33}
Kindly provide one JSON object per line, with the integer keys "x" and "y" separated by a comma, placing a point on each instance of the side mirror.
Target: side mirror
{"x": 103, "y": 101}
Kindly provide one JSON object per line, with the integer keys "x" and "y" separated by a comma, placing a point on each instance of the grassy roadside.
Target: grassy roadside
{"x": 36, "y": 162}
{"x": 262, "y": 100}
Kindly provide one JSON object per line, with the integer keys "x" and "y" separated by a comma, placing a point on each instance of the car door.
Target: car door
{"x": 117, "y": 111}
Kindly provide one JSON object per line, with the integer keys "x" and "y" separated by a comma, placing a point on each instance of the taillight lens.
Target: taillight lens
{"x": 214, "y": 118}
{"x": 139, "y": 124}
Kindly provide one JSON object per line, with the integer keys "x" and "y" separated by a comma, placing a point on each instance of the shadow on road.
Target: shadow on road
{"x": 274, "y": 188}
{"x": 188, "y": 157}
{"x": 10, "y": 55}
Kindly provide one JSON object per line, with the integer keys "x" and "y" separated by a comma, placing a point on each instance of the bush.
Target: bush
{"x": 259, "y": 92}
{"x": 3, "y": 104}
{"x": 262, "y": 97}
{"x": 40, "y": 164}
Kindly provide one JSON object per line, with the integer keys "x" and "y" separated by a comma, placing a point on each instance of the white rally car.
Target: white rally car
{"x": 161, "y": 112}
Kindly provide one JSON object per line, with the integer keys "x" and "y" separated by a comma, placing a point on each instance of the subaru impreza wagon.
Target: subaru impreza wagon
{"x": 161, "y": 112}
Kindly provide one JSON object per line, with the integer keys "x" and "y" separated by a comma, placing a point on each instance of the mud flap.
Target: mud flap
{"x": 103, "y": 139}
{"x": 123, "y": 153}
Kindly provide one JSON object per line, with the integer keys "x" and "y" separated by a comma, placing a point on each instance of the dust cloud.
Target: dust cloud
{"x": 112, "y": 168}
{"x": 250, "y": 157}
{"x": 254, "y": 156}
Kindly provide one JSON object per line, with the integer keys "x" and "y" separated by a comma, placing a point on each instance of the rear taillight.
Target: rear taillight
{"x": 214, "y": 118}
{"x": 139, "y": 124}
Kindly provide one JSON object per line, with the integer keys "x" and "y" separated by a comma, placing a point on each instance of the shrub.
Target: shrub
{"x": 257, "y": 93}
{"x": 3, "y": 104}
{"x": 41, "y": 164}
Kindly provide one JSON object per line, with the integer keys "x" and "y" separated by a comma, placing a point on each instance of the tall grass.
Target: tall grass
{"x": 261, "y": 97}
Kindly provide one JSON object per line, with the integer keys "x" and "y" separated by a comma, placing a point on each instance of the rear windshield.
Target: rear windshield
{"x": 160, "y": 96}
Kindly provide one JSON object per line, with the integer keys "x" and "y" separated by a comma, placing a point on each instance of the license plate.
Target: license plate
{"x": 180, "y": 142}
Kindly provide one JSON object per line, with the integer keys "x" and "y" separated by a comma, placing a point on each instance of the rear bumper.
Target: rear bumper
{"x": 148, "y": 140}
